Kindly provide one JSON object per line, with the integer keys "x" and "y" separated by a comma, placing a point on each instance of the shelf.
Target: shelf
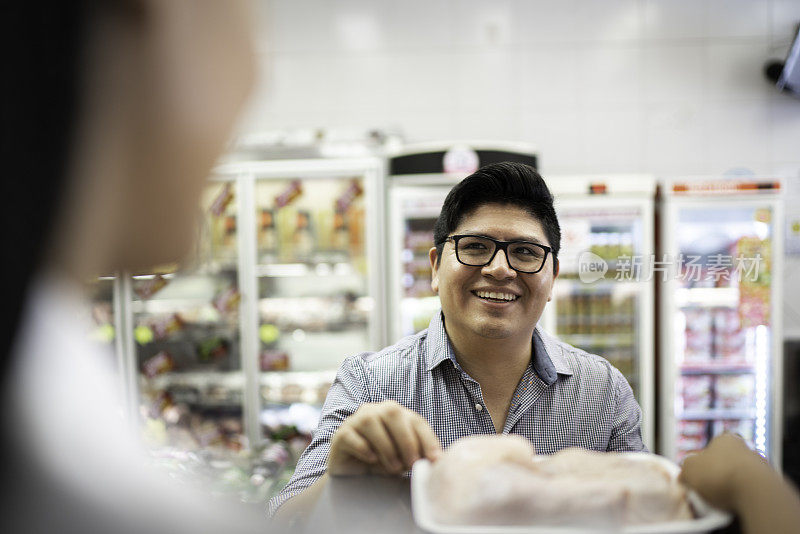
{"x": 410, "y": 255}
{"x": 163, "y": 306}
{"x": 426, "y": 302}
{"x": 598, "y": 340}
{"x": 717, "y": 368}
{"x": 708, "y": 297}
{"x": 297, "y": 377}
{"x": 707, "y": 415}
{"x": 299, "y": 269}
{"x": 236, "y": 378}
{"x": 196, "y": 379}
{"x": 605, "y": 283}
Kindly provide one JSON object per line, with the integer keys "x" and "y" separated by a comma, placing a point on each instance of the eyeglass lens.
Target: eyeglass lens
{"x": 477, "y": 251}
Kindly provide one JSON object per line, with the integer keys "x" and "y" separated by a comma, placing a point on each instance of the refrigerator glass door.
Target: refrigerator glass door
{"x": 722, "y": 323}
{"x": 104, "y": 327}
{"x": 315, "y": 305}
{"x": 415, "y": 212}
{"x": 186, "y": 339}
{"x": 603, "y": 296}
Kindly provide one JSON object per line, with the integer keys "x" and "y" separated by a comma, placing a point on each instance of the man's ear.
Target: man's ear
{"x": 556, "y": 270}
{"x": 434, "y": 257}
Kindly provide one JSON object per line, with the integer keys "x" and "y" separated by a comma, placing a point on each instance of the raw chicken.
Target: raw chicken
{"x": 499, "y": 480}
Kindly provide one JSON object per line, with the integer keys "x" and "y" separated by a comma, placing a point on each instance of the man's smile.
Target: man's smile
{"x": 495, "y": 296}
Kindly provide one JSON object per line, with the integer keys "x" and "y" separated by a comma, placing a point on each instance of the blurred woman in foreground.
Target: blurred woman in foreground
{"x": 113, "y": 113}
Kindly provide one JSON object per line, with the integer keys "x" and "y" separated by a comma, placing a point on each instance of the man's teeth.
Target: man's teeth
{"x": 495, "y": 295}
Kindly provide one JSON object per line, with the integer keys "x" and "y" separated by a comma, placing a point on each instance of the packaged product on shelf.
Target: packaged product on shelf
{"x": 345, "y": 200}
{"x": 698, "y": 346}
{"x": 726, "y": 320}
{"x": 162, "y": 362}
{"x": 291, "y": 393}
{"x": 754, "y": 305}
{"x": 340, "y": 236}
{"x": 222, "y": 394}
{"x": 178, "y": 413}
{"x": 273, "y": 360}
{"x": 692, "y": 435}
{"x": 355, "y": 219}
{"x": 156, "y": 403}
{"x": 276, "y": 455}
{"x": 420, "y": 240}
{"x": 231, "y": 426}
{"x": 229, "y": 233}
{"x": 303, "y": 241}
{"x": 730, "y": 347}
{"x": 149, "y": 287}
{"x": 693, "y": 428}
{"x": 267, "y": 234}
{"x": 164, "y": 326}
{"x": 696, "y": 392}
{"x": 755, "y": 278}
{"x": 227, "y": 301}
{"x": 745, "y": 428}
{"x": 699, "y": 334}
{"x": 207, "y": 433}
{"x": 735, "y": 391}
{"x": 214, "y": 349}
{"x": 221, "y": 201}
{"x": 292, "y": 192}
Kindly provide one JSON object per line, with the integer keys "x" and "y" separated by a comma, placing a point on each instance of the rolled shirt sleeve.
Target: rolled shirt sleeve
{"x": 348, "y": 392}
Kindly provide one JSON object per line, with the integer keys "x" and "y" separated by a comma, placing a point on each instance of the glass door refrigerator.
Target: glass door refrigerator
{"x": 420, "y": 176}
{"x": 414, "y": 211}
{"x": 603, "y": 298}
{"x": 721, "y": 340}
{"x": 183, "y": 337}
{"x": 227, "y": 357}
{"x": 312, "y": 283}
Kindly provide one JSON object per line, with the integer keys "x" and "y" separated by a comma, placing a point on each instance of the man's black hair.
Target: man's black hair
{"x": 509, "y": 183}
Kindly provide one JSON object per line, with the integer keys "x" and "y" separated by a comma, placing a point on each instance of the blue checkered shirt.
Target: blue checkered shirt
{"x": 566, "y": 398}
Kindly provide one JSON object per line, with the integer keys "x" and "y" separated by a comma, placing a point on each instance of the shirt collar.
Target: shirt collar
{"x": 548, "y": 360}
{"x": 438, "y": 344}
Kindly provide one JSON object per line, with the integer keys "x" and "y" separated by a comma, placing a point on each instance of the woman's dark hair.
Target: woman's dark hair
{"x": 510, "y": 183}
{"x": 42, "y": 47}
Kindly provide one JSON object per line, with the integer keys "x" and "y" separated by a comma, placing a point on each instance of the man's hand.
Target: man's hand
{"x": 381, "y": 438}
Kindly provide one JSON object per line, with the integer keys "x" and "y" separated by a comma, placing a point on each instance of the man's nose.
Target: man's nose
{"x": 499, "y": 267}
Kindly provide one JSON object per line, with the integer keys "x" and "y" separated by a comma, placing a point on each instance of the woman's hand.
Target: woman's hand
{"x": 720, "y": 471}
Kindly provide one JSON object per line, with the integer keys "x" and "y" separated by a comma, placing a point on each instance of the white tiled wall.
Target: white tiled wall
{"x": 663, "y": 86}
{"x": 659, "y": 86}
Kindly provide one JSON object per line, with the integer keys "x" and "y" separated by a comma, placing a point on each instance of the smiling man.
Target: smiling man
{"x": 483, "y": 365}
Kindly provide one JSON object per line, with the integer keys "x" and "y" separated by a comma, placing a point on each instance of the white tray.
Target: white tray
{"x": 708, "y": 518}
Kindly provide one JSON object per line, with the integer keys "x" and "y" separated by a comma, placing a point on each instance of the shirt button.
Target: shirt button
{"x": 478, "y": 407}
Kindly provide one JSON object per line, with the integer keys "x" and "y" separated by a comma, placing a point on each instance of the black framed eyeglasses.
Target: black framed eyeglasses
{"x": 478, "y": 250}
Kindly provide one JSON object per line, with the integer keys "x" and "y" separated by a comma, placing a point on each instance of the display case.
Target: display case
{"x": 186, "y": 338}
{"x": 603, "y": 298}
{"x": 721, "y": 306}
{"x": 315, "y": 263}
{"x": 227, "y": 358}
